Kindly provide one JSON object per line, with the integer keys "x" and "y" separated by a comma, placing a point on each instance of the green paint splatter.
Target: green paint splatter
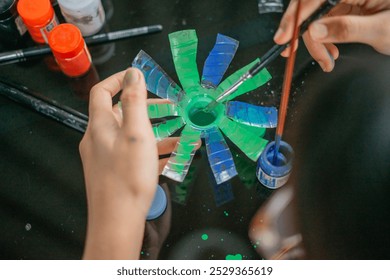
{"x": 205, "y": 236}
{"x": 234, "y": 257}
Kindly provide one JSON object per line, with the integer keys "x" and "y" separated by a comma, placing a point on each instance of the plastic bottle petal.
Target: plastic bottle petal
{"x": 219, "y": 155}
{"x": 218, "y": 60}
{"x": 252, "y": 115}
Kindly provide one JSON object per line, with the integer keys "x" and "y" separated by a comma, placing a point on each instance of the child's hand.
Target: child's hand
{"x": 120, "y": 161}
{"x": 360, "y": 21}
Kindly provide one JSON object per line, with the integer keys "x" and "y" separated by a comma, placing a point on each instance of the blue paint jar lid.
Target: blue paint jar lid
{"x": 159, "y": 204}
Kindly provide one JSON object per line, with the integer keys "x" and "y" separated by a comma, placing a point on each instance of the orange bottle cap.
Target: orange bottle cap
{"x": 66, "y": 41}
{"x": 35, "y": 12}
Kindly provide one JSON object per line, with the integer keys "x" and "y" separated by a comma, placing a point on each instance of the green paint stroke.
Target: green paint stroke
{"x": 180, "y": 160}
{"x": 184, "y": 46}
{"x": 167, "y": 128}
{"x": 233, "y": 257}
{"x": 162, "y": 110}
{"x": 204, "y": 236}
{"x": 249, "y": 85}
{"x": 258, "y": 131}
{"x": 248, "y": 142}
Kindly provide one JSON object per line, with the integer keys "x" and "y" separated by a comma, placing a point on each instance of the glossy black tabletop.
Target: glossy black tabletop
{"x": 42, "y": 197}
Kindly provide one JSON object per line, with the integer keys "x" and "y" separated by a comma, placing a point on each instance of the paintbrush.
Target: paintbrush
{"x": 49, "y": 108}
{"x": 272, "y": 54}
{"x": 286, "y": 86}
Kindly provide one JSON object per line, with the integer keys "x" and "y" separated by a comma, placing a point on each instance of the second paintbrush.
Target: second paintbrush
{"x": 25, "y": 54}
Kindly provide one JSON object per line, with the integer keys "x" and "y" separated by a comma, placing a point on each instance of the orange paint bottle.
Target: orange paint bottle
{"x": 70, "y": 50}
{"x": 39, "y": 18}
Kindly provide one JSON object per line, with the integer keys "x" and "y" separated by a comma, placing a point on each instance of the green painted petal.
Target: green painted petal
{"x": 249, "y": 85}
{"x": 162, "y": 110}
{"x": 244, "y": 137}
{"x": 184, "y": 46}
{"x": 181, "y": 158}
{"x": 167, "y": 128}
{"x": 258, "y": 131}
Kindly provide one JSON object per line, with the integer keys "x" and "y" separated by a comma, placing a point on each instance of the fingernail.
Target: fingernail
{"x": 318, "y": 31}
{"x": 331, "y": 59}
{"x": 278, "y": 34}
{"x": 131, "y": 77}
{"x": 322, "y": 65}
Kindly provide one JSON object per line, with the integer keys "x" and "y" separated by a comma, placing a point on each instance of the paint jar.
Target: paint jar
{"x": 70, "y": 50}
{"x": 272, "y": 174}
{"x": 12, "y": 27}
{"x": 39, "y": 17}
{"x": 87, "y": 15}
{"x": 159, "y": 204}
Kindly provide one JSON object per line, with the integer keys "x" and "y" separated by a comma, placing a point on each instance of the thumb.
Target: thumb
{"x": 133, "y": 98}
{"x": 348, "y": 29}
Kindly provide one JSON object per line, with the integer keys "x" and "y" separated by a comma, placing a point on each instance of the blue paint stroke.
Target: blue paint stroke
{"x": 218, "y": 61}
{"x": 252, "y": 115}
{"x": 157, "y": 81}
{"x": 219, "y": 155}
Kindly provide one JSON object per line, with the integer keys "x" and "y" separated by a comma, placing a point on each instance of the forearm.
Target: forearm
{"x": 115, "y": 230}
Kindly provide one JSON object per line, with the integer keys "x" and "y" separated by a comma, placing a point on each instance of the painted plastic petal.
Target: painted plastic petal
{"x": 184, "y": 45}
{"x": 157, "y": 81}
{"x": 219, "y": 155}
{"x": 218, "y": 60}
{"x": 167, "y": 128}
{"x": 181, "y": 158}
{"x": 162, "y": 110}
{"x": 249, "y": 85}
{"x": 252, "y": 115}
{"x": 248, "y": 142}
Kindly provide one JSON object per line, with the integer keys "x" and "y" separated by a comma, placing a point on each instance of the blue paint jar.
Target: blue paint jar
{"x": 272, "y": 174}
{"x": 159, "y": 204}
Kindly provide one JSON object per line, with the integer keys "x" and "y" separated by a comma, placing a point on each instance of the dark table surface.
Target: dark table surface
{"x": 42, "y": 197}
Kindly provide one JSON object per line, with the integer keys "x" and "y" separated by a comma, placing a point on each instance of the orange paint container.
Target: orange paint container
{"x": 39, "y": 18}
{"x": 70, "y": 50}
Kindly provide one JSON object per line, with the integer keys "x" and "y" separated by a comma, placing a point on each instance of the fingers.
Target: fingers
{"x": 133, "y": 100}
{"x": 324, "y": 54}
{"x": 102, "y": 93}
{"x": 285, "y": 31}
{"x": 373, "y": 30}
{"x": 161, "y": 164}
{"x": 287, "y": 52}
{"x": 157, "y": 101}
{"x": 167, "y": 145}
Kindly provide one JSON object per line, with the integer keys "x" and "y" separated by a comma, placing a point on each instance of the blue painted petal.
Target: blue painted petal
{"x": 218, "y": 60}
{"x": 219, "y": 155}
{"x": 157, "y": 81}
{"x": 252, "y": 115}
